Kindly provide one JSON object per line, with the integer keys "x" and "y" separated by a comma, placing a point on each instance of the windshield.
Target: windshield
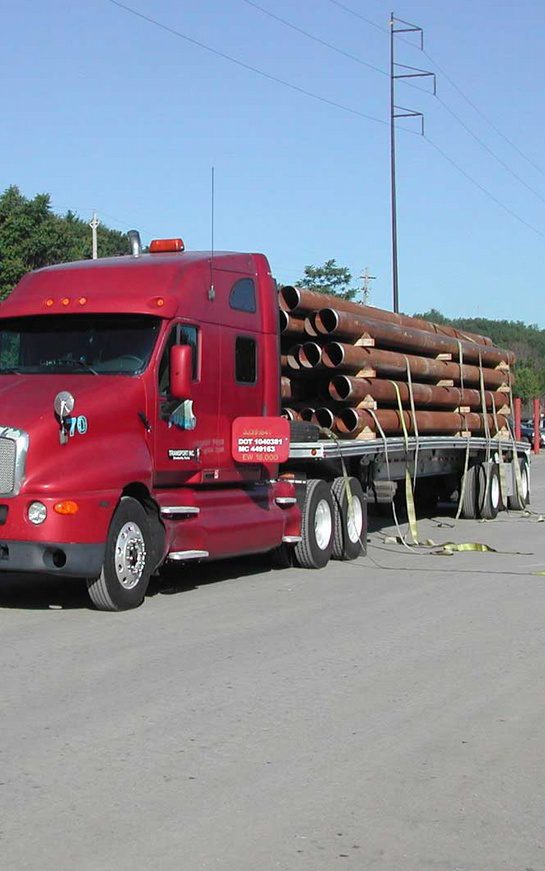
{"x": 93, "y": 344}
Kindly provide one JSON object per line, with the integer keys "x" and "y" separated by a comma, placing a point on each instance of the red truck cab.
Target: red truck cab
{"x": 121, "y": 380}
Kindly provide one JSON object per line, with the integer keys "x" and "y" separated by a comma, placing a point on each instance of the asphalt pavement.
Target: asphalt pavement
{"x": 382, "y": 714}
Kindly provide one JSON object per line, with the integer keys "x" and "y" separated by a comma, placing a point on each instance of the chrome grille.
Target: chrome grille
{"x": 8, "y": 456}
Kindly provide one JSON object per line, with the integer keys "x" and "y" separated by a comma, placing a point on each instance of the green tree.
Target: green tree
{"x": 328, "y": 278}
{"x": 32, "y": 236}
{"x": 527, "y": 341}
{"x": 528, "y": 383}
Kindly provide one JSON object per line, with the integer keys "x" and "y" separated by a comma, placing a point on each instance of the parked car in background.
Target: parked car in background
{"x": 527, "y": 431}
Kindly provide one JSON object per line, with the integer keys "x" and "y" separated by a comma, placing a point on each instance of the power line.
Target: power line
{"x": 358, "y": 15}
{"x": 315, "y": 38}
{"x": 485, "y": 117}
{"x": 454, "y": 85}
{"x": 244, "y": 65}
{"x": 490, "y": 151}
{"x": 483, "y": 189}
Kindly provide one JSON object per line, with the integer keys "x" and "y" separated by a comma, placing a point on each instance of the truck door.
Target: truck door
{"x": 186, "y": 445}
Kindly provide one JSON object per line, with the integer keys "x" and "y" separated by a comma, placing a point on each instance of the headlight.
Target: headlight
{"x": 37, "y": 512}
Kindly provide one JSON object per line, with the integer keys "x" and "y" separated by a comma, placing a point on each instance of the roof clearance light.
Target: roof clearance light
{"x": 66, "y": 507}
{"x": 65, "y": 301}
{"x": 161, "y": 246}
{"x": 49, "y": 302}
{"x": 159, "y": 301}
{"x": 82, "y": 300}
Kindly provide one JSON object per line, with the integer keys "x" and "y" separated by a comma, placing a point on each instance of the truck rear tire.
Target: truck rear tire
{"x": 519, "y": 501}
{"x": 489, "y": 496}
{"x": 350, "y": 526}
{"x": 314, "y": 549}
{"x": 469, "y": 501}
{"x": 127, "y": 560}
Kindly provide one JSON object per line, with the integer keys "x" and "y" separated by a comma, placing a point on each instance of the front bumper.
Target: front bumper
{"x": 68, "y": 559}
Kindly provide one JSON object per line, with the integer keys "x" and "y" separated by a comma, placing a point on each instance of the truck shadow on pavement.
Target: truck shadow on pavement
{"x": 47, "y": 592}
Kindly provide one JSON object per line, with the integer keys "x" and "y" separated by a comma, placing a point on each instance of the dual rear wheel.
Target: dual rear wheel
{"x": 333, "y": 523}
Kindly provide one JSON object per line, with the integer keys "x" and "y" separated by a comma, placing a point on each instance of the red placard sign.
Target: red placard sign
{"x": 260, "y": 439}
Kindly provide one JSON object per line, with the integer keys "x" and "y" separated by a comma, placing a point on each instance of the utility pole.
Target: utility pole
{"x": 400, "y": 112}
{"x": 94, "y": 223}
{"x": 366, "y": 290}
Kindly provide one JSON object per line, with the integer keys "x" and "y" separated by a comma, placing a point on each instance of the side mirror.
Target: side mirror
{"x": 181, "y": 371}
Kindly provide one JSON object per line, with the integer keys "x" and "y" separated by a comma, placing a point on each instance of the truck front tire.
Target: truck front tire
{"x": 127, "y": 561}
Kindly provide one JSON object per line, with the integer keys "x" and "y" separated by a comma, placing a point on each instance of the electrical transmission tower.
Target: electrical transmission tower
{"x": 366, "y": 289}
{"x": 400, "y": 112}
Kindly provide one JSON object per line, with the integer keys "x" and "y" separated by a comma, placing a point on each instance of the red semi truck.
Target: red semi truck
{"x": 140, "y": 423}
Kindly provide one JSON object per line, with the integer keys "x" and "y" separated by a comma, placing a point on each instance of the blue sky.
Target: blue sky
{"x": 106, "y": 111}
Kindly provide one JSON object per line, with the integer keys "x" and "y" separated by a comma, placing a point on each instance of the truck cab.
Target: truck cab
{"x": 122, "y": 380}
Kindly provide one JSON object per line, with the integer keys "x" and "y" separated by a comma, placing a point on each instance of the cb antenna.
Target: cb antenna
{"x": 211, "y": 289}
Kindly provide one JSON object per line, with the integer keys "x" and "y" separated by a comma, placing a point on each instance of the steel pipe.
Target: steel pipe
{"x": 345, "y": 388}
{"x": 300, "y": 300}
{"x": 353, "y": 421}
{"x": 390, "y": 364}
{"x": 346, "y": 325}
{"x": 290, "y": 325}
{"x": 310, "y": 355}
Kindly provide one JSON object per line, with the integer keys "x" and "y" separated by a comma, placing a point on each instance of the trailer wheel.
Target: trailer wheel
{"x": 314, "y": 549}
{"x": 469, "y": 502}
{"x": 350, "y": 527}
{"x": 489, "y": 495}
{"x": 519, "y": 501}
{"x": 127, "y": 561}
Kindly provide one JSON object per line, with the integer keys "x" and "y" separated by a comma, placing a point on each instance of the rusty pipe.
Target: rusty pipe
{"x": 346, "y": 325}
{"x": 302, "y": 301}
{"x": 310, "y": 355}
{"x": 346, "y": 388}
{"x": 353, "y": 421}
{"x": 390, "y": 364}
{"x": 290, "y": 325}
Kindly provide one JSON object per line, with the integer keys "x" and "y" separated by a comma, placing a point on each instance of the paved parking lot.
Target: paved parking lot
{"x": 382, "y": 714}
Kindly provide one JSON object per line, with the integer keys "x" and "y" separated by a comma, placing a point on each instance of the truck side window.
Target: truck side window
{"x": 242, "y": 296}
{"x": 245, "y": 360}
{"x": 181, "y": 334}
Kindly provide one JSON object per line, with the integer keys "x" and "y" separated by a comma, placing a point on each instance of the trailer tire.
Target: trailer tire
{"x": 489, "y": 491}
{"x": 519, "y": 501}
{"x": 314, "y": 549}
{"x": 127, "y": 565}
{"x": 349, "y": 527}
{"x": 469, "y": 501}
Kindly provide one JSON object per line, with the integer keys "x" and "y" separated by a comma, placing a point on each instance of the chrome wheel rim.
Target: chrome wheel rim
{"x": 354, "y": 520}
{"x": 130, "y": 555}
{"x": 495, "y": 491}
{"x": 323, "y": 524}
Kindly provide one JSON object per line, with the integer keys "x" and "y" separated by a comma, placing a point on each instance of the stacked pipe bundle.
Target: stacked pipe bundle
{"x": 357, "y": 370}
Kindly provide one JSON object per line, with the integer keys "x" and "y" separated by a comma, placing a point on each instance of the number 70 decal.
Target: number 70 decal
{"x": 76, "y": 425}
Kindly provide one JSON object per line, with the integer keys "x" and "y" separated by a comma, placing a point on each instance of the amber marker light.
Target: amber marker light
{"x": 82, "y": 300}
{"x": 65, "y": 300}
{"x": 163, "y": 246}
{"x": 159, "y": 301}
{"x": 49, "y": 302}
{"x": 66, "y": 507}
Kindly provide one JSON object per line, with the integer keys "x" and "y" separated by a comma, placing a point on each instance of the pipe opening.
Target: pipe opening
{"x": 310, "y": 355}
{"x": 291, "y": 297}
{"x": 333, "y": 355}
{"x": 327, "y": 320}
{"x": 340, "y": 388}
